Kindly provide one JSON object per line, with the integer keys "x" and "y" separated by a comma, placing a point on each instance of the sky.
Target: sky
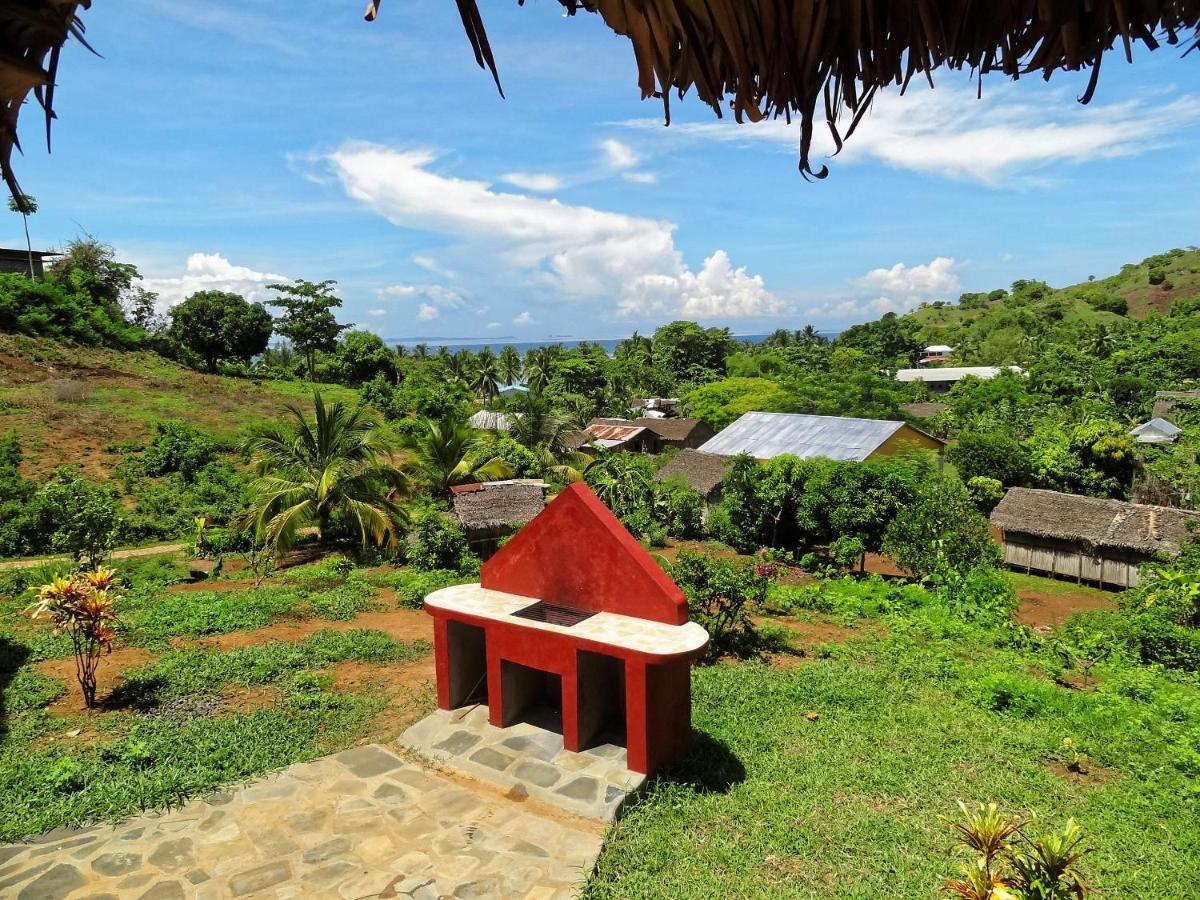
{"x": 222, "y": 145}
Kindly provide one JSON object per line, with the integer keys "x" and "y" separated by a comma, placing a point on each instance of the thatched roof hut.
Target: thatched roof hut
{"x": 1086, "y": 538}
{"x": 816, "y": 60}
{"x": 1095, "y": 522}
{"x": 498, "y": 504}
{"x": 703, "y": 471}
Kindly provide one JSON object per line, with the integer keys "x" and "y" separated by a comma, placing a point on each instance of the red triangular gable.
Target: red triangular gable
{"x": 576, "y": 553}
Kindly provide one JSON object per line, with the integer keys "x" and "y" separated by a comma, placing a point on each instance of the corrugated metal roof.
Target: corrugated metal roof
{"x": 618, "y": 433}
{"x": 490, "y": 420}
{"x": 767, "y": 435}
{"x": 953, "y": 373}
{"x": 1157, "y": 430}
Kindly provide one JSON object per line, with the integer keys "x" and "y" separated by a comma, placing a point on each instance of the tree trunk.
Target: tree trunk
{"x": 28, "y": 243}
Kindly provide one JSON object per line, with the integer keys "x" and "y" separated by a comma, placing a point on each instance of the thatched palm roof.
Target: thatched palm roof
{"x": 1093, "y": 522}
{"x": 808, "y": 59}
{"x": 498, "y": 504}
{"x": 814, "y": 59}
{"x": 703, "y": 471}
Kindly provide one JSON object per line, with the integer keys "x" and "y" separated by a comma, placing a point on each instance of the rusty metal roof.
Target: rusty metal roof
{"x": 618, "y": 433}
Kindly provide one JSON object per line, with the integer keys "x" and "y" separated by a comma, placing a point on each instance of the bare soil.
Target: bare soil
{"x": 107, "y": 678}
{"x": 1040, "y": 609}
{"x": 1093, "y": 774}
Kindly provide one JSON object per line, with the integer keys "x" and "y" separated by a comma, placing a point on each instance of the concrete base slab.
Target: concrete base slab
{"x": 526, "y": 760}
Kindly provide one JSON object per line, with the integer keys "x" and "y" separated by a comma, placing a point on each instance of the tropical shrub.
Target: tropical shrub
{"x": 83, "y": 606}
{"x": 682, "y": 509}
{"x": 178, "y": 447}
{"x": 985, "y": 492}
{"x": 436, "y": 543}
{"x": 719, "y": 592}
{"x": 943, "y": 534}
{"x": 71, "y": 515}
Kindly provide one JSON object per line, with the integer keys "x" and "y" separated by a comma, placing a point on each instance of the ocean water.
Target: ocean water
{"x": 498, "y": 344}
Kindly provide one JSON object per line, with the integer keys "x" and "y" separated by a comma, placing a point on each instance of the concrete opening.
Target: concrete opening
{"x": 601, "y": 699}
{"x": 531, "y": 695}
{"x": 467, "y": 654}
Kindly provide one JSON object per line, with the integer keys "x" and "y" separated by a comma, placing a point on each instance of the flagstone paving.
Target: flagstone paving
{"x": 366, "y": 822}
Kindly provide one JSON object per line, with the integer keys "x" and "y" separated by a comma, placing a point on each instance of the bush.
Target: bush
{"x": 847, "y": 551}
{"x": 942, "y": 535}
{"x": 178, "y": 447}
{"x": 992, "y": 455}
{"x": 718, "y": 592}
{"x": 985, "y": 492}
{"x": 682, "y": 508}
{"x": 984, "y": 595}
{"x": 71, "y": 515}
{"x": 437, "y": 543}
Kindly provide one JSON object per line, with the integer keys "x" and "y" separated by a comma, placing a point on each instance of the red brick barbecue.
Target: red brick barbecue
{"x": 575, "y": 627}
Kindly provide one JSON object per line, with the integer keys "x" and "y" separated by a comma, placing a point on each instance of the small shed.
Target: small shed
{"x": 1165, "y": 402}
{"x": 511, "y": 390}
{"x": 1087, "y": 538}
{"x": 679, "y": 433}
{"x": 1157, "y": 431}
{"x": 491, "y": 511}
{"x": 767, "y": 435}
{"x": 622, "y": 437}
{"x": 702, "y": 471}
{"x": 20, "y": 260}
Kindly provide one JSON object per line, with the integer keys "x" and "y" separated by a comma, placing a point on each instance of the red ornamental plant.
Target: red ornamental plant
{"x": 83, "y": 606}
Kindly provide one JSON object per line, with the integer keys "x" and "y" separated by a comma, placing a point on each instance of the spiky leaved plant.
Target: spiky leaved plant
{"x": 1047, "y": 867}
{"x": 83, "y": 606}
{"x": 985, "y": 832}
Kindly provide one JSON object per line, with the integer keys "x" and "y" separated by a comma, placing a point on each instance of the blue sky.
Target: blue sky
{"x": 223, "y": 145}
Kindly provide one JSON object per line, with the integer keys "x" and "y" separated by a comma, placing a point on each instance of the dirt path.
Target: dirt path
{"x": 131, "y": 553}
{"x": 1042, "y": 609}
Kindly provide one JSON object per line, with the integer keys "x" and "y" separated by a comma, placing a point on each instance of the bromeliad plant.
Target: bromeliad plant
{"x": 1004, "y": 863}
{"x": 83, "y": 606}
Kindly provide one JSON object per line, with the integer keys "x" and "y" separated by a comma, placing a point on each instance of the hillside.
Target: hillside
{"x": 69, "y": 403}
{"x": 998, "y": 326}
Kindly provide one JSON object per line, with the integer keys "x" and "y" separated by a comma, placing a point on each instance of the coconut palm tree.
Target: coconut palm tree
{"x": 536, "y": 378}
{"x": 421, "y": 351}
{"x": 510, "y": 365}
{"x": 487, "y": 376}
{"x": 635, "y": 348}
{"x": 335, "y": 468}
{"x": 446, "y": 453}
{"x": 535, "y": 426}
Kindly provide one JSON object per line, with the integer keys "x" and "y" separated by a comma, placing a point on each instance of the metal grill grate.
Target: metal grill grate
{"x": 554, "y": 614}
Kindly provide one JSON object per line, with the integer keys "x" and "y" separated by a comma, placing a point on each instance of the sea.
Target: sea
{"x": 454, "y": 344}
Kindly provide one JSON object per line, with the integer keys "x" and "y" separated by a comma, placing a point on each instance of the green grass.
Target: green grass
{"x": 1022, "y": 582}
{"x": 773, "y": 804}
{"x": 144, "y": 762}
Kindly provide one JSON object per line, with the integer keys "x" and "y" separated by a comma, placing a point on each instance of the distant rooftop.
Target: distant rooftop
{"x": 954, "y": 373}
{"x": 767, "y": 435}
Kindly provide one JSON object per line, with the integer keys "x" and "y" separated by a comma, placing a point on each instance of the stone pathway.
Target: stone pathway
{"x": 366, "y": 822}
{"x": 526, "y": 760}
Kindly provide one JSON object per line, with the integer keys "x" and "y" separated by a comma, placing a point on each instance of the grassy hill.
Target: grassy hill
{"x": 1002, "y": 317}
{"x": 69, "y": 403}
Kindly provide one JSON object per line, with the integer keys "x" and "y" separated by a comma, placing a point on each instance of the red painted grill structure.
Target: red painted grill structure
{"x": 573, "y": 627}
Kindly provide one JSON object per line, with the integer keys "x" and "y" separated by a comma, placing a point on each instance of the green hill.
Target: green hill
{"x": 69, "y": 403}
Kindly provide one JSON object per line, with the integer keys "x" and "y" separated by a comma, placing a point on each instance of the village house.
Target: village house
{"x": 489, "y": 512}
{"x": 935, "y": 353}
{"x": 941, "y": 380}
{"x": 1157, "y": 431}
{"x": 491, "y": 420}
{"x": 19, "y": 261}
{"x": 1087, "y": 538}
{"x": 656, "y": 407}
{"x": 767, "y": 435}
{"x": 703, "y": 472}
{"x": 678, "y": 433}
{"x": 618, "y": 438}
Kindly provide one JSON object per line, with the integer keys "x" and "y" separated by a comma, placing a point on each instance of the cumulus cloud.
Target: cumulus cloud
{"x": 212, "y": 272}
{"x": 435, "y": 293}
{"x": 618, "y": 154}
{"x": 376, "y": 312}
{"x": 533, "y": 181}
{"x": 641, "y": 177}
{"x": 897, "y": 289}
{"x": 427, "y": 312}
{"x": 523, "y": 319}
{"x": 948, "y": 132}
{"x": 575, "y": 251}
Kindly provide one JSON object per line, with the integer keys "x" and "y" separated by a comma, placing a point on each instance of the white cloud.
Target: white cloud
{"x": 376, "y": 312}
{"x": 492, "y": 325}
{"x": 897, "y": 289}
{"x": 523, "y": 319}
{"x": 212, "y": 272}
{"x": 533, "y": 181}
{"x": 574, "y": 251}
{"x": 432, "y": 265}
{"x": 427, "y": 312}
{"x": 435, "y": 293}
{"x": 641, "y": 177}
{"x": 948, "y": 132}
{"x": 618, "y": 154}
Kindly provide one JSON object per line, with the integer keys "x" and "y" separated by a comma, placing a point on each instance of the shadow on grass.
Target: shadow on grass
{"x": 710, "y": 766}
{"x": 12, "y": 657}
{"x": 757, "y": 642}
{"x": 139, "y": 695}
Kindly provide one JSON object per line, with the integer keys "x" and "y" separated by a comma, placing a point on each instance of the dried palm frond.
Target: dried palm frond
{"x": 811, "y": 58}
{"x": 32, "y": 34}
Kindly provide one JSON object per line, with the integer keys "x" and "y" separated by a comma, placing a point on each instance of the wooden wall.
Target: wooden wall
{"x": 1106, "y": 566}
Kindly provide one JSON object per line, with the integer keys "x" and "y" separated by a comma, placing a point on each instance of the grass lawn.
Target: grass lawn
{"x": 180, "y": 716}
{"x": 775, "y": 802}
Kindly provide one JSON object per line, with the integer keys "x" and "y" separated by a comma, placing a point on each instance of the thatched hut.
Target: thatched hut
{"x": 1086, "y": 538}
{"x": 489, "y": 512}
{"x": 702, "y": 471}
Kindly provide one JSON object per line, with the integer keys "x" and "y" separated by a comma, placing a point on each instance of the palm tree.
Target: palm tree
{"x": 26, "y": 206}
{"x": 635, "y": 348}
{"x": 421, "y": 351}
{"x": 1102, "y": 342}
{"x": 446, "y": 454}
{"x": 536, "y": 378}
{"x": 545, "y": 434}
{"x": 335, "y": 468}
{"x": 809, "y": 335}
{"x": 487, "y": 376}
{"x": 510, "y": 365}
